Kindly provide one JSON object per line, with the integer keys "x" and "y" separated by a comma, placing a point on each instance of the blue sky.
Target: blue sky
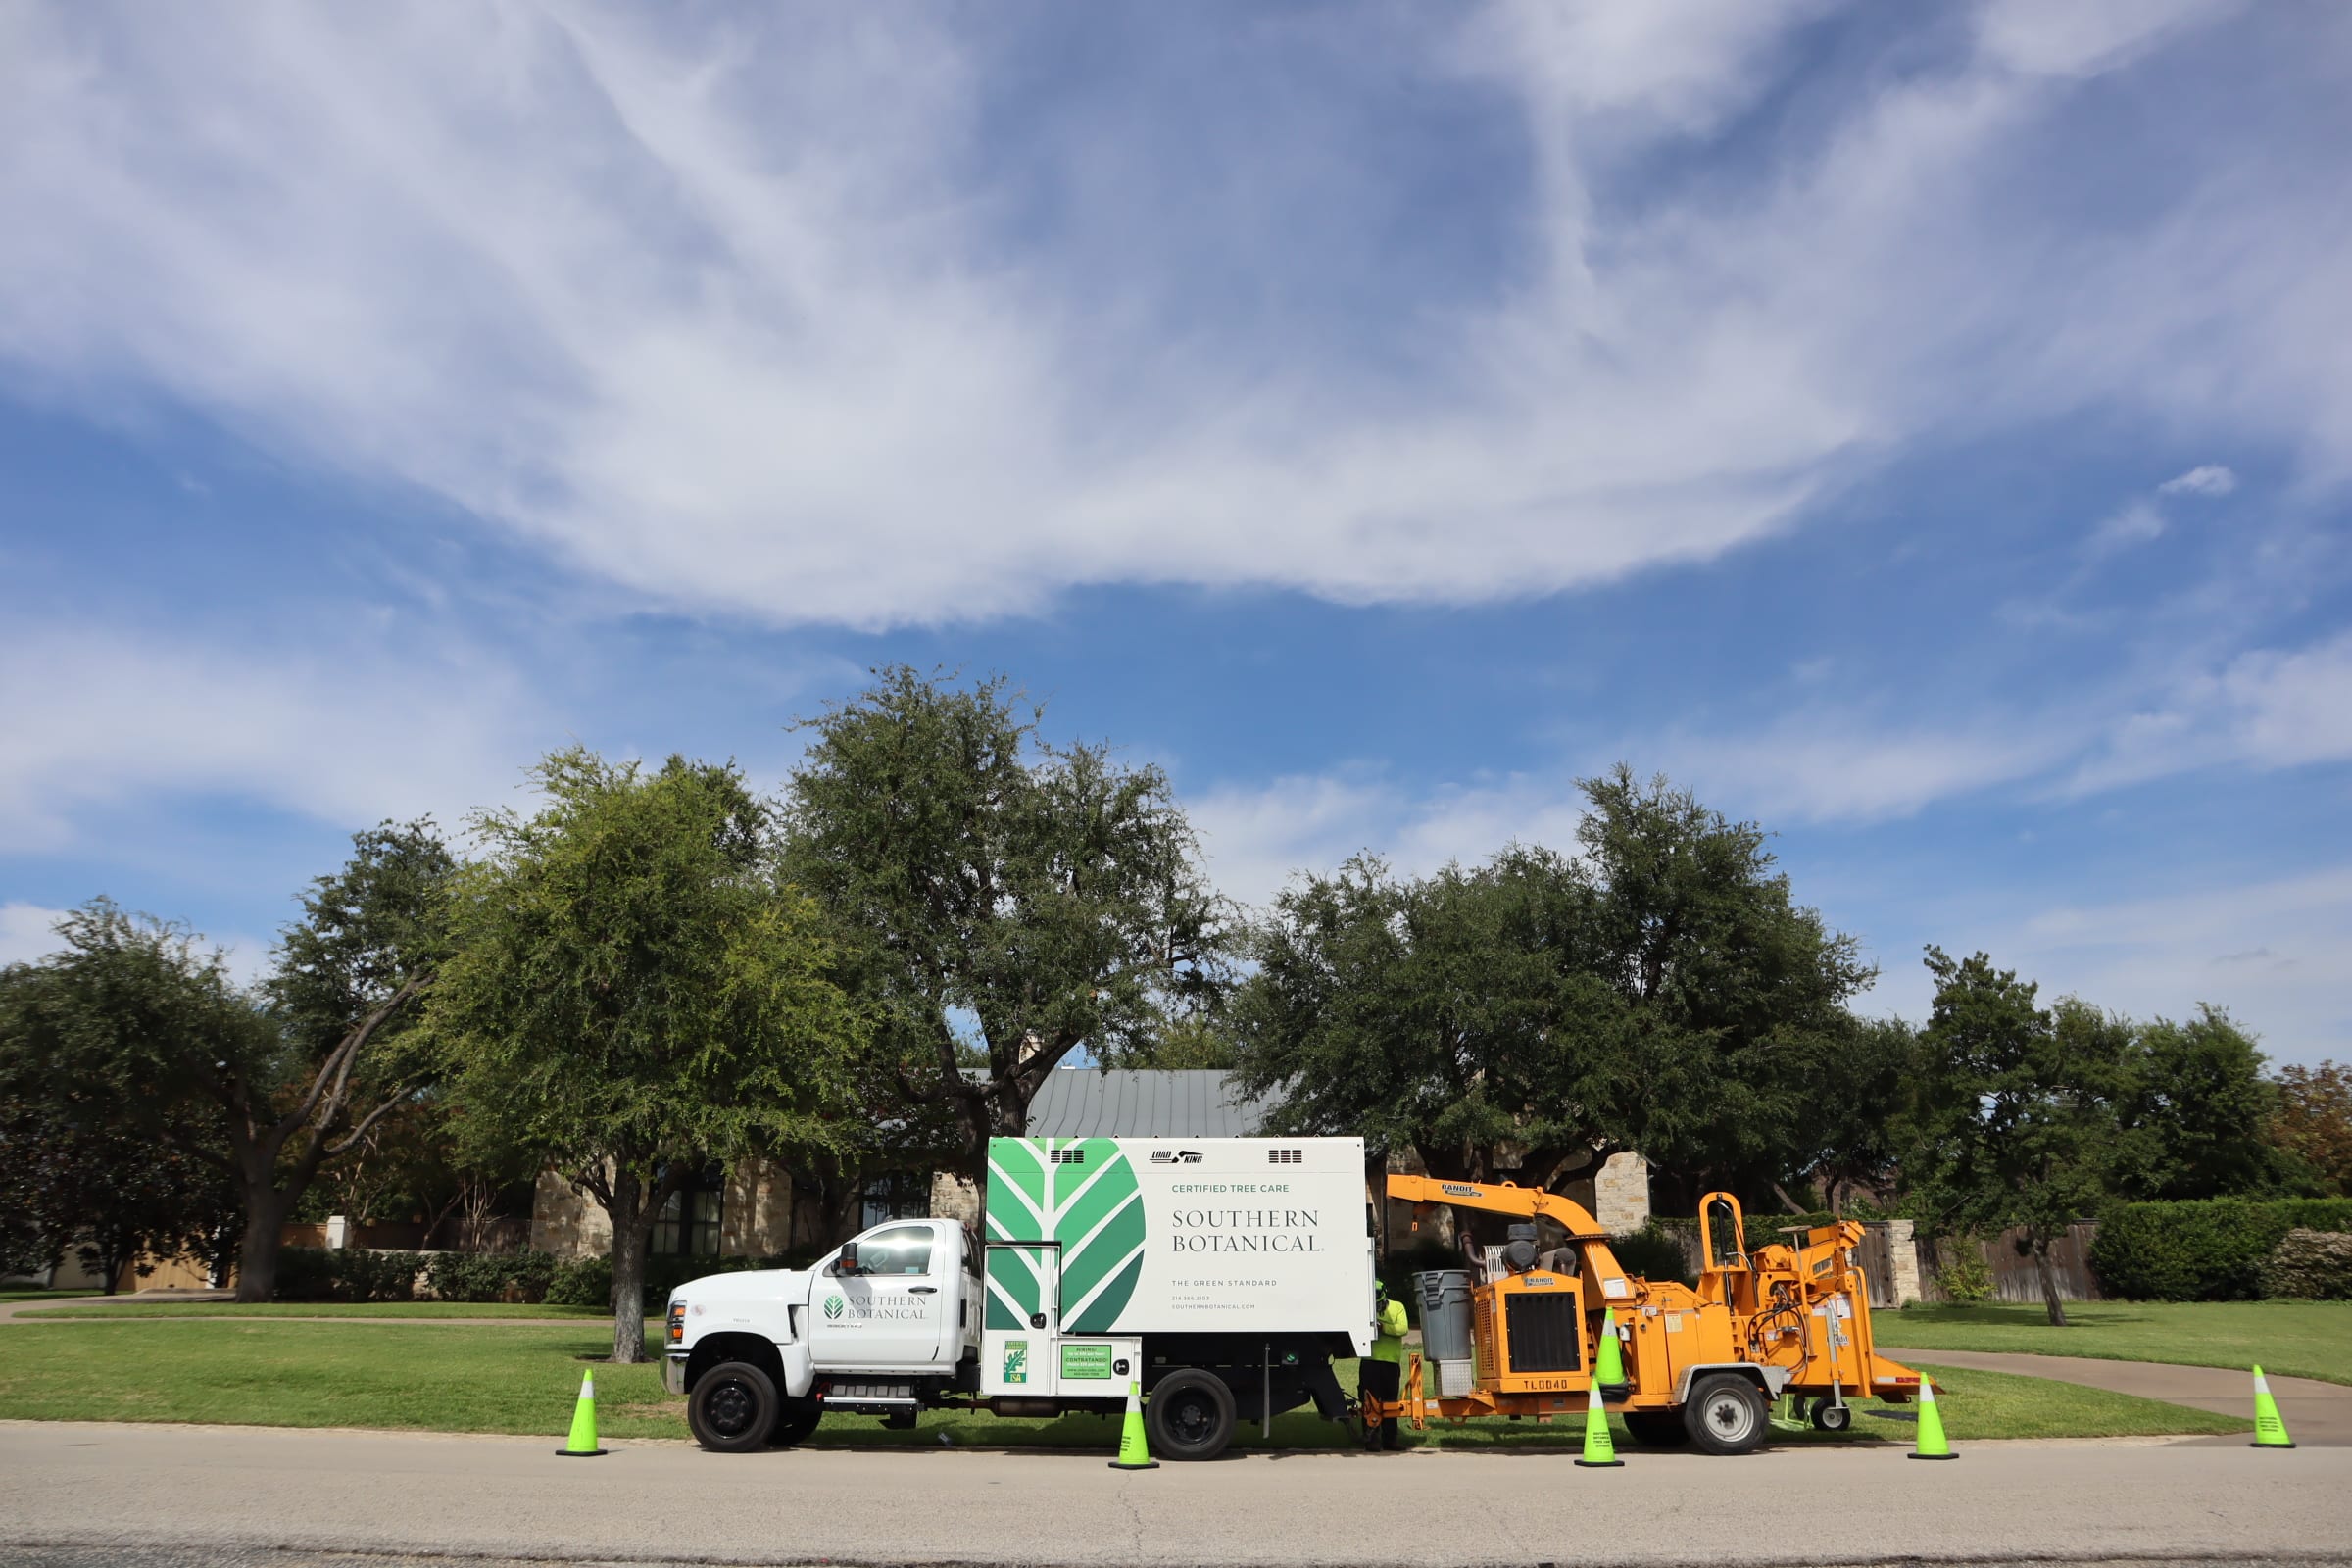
{"x": 1923, "y": 430}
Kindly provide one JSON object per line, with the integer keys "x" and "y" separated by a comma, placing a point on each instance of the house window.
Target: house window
{"x": 688, "y": 1226}
{"x": 901, "y": 1195}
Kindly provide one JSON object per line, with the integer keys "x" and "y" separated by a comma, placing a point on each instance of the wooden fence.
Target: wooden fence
{"x": 2014, "y": 1275}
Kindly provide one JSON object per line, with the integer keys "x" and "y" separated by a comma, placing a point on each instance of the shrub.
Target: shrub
{"x": 1654, "y": 1252}
{"x": 2310, "y": 1265}
{"x": 303, "y": 1274}
{"x": 491, "y": 1276}
{"x": 1967, "y": 1279}
{"x": 2210, "y": 1250}
{"x": 581, "y": 1281}
{"x": 362, "y": 1275}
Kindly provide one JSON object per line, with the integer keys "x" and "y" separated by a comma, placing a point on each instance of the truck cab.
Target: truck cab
{"x": 887, "y": 1325}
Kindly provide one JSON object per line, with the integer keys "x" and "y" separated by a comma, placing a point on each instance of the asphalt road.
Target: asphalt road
{"x": 73, "y": 1494}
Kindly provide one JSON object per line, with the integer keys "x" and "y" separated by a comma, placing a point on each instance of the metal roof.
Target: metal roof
{"x": 1089, "y": 1103}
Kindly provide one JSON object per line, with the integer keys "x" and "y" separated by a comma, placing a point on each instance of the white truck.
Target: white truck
{"x": 1221, "y": 1275}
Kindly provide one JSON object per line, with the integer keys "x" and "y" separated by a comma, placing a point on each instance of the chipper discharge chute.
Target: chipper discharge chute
{"x": 1698, "y": 1366}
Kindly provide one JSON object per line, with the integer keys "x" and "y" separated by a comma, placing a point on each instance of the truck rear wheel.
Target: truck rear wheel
{"x": 732, "y": 1408}
{"x": 1725, "y": 1414}
{"x": 1189, "y": 1415}
{"x": 796, "y": 1419}
{"x": 1656, "y": 1429}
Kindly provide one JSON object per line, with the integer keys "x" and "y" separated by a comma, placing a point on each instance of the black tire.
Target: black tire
{"x": 1727, "y": 1415}
{"x": 796, "y": 1419}
{"x": 1189, "y": 1415}
{"x": 1656, "y": 1429}
{"x": 1828, "y": 1417}
{"x": 733, "y": 1407}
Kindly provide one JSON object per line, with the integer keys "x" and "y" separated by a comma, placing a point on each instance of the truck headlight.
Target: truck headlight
{"x": 677, "y": 1322}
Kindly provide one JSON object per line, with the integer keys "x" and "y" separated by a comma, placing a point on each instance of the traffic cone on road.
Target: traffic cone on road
{"x": 1932, "y": 1444}
{"x": 1609, "y": 1371}
{"x": 584, "y": 1424}
{"x": 1600, "y": 1449}
{"x": 2268, "y": 1431}
{"x": 1135, "y": 1449}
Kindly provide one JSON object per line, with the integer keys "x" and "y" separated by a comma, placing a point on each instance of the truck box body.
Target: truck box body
{"x": 1126, "y": 1237}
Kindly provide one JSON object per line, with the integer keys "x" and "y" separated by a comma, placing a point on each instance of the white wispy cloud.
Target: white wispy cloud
{"x": 28, "y": 931}
{"x": 2206, "y": 480}
{"x": 734, "y": 311}
{"x": 345, "y": 727}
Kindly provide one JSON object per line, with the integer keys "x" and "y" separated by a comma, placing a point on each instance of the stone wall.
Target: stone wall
{"x": 1621, "y": 1193}
{"x": 566, "y": 1222}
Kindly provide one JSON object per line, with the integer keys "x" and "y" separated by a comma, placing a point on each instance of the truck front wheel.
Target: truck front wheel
{"x": 1189, "y": 1415}
{"x": 732, "y": 1408}
{"x": 1725, "y": 1414}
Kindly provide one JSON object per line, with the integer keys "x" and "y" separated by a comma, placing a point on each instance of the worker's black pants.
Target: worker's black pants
{"x": 1383, "y": 1381}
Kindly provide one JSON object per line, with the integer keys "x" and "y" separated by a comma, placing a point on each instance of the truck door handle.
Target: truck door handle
{"x": 922, "y": 1290}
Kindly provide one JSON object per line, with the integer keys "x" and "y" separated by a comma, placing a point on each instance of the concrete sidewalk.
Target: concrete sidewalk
{"x": 2317, "y": 1414}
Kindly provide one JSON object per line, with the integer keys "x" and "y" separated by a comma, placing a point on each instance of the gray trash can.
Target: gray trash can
{"x": 1444, "y": 1313}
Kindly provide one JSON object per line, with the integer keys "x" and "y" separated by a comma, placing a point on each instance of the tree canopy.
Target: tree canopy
{"x": 1003, "y": 902}
{"x": 1659, "y": 992}
{"x": 632, "y": 992}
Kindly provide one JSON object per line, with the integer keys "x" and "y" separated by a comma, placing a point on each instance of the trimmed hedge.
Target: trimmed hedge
{"x": 2210, "y": 1250}
{"x": 353, "y": 1274}
{"x": 491, "y": 1276}
{"x": 588, "y": 1281}
{"x": 2310, "y": 1266}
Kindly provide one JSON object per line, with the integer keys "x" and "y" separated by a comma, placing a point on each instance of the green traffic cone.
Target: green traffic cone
{"x": 1134, "y": 1451}
{"x": 2268, "y": 1431}
{"x": 584, "y": 1424}
{"x": 1600, "y": 1449}
{"x": 1932, "y": 1443}
{"x": 1610, "y": 1373}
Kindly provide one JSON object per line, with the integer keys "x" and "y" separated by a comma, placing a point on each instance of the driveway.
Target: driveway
{"x": 2317, "y": 1414}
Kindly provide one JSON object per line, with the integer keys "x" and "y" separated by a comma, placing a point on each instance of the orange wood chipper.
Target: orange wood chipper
{"x": 1700, "y": 1365}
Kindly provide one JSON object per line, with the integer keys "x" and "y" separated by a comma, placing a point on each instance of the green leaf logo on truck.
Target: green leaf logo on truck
{"x": 1082, "y": 1193}
{"x": 833, "y": 1306}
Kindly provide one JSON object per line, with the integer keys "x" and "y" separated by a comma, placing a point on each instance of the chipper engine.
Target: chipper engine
{"x": 1702, "y": 1365}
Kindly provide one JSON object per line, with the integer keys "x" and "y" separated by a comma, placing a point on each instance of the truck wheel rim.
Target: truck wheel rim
{"x": 1191, "y": 1420}
{"x": 729, "y": 1408}
{"x": 1729, "y": 1416}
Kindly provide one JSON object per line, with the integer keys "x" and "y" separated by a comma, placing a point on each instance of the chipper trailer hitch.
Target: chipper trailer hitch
{"x": 1702, "y": 1364}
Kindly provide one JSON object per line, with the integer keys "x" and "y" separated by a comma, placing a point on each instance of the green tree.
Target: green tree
{"x": 2192, "y": 1111}
{"x": 633, "y": 992}
{"x": 2313, "y": 1122}
{"x": 1659, "y": 992}
{"x": 191, "y": 1061}
{"x": 1002, "y": 900}
{"x": 76, "y": 1176}
{"x": 2016, "y": 1121}
{"x": 1857, "y": 1088}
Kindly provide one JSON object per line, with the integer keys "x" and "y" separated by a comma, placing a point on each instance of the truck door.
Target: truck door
{"x": 1016, "y": 1357}
{"x": 893, "y": 1311}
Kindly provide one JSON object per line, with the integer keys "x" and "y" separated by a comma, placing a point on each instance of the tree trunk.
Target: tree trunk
{"x": 629, "y": 1240}
{"x": 257, "y": 1254}
{"x": 2049, "y": 1283}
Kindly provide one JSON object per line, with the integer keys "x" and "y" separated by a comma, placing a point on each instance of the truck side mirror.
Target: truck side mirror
{"x": 846, "y": 1263}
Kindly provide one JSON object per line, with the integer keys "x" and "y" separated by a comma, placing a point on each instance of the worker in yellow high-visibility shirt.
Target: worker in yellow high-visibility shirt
{"x": 1381, "y": 1373}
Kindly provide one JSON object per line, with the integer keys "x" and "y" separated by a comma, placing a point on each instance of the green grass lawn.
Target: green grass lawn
{"x": 523, "y": 1380}
{"x": 2304, "y": 1339}
{"x": 380, "y": 1309}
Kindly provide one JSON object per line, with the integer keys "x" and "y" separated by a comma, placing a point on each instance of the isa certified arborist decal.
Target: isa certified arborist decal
{"x": 1016, "y": 1360}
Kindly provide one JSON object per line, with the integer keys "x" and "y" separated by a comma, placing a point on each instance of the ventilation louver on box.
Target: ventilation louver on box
{"x": 1285, "y": 1156}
